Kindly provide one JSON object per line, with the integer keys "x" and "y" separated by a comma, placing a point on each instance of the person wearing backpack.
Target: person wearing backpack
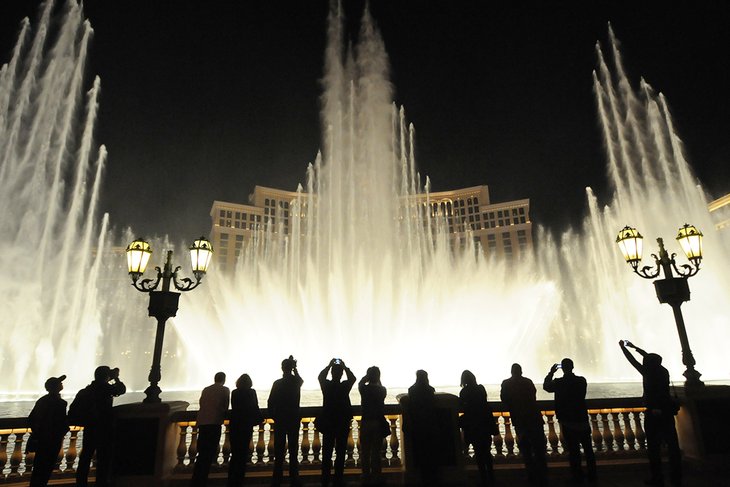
{"x": 93, "y": 407}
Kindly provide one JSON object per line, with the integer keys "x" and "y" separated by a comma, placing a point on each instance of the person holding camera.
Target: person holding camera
{"x": 97, "y": 400}
{"x": 283, "y": 407}
{"x": 336, "y": 418}
{"x": 572, "y": 413}
{"x": 659, "y": 417}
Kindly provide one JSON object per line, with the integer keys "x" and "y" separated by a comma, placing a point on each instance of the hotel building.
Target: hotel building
{"x": 501, "y": 229}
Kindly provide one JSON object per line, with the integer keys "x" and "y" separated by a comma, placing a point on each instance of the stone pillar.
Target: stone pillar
{"x": 146, "y": 440}
{"x": 702, "y": 424}
{"x": 445, "y": 456}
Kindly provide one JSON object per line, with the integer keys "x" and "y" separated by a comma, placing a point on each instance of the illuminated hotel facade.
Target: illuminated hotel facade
{"x": 720, "y": 211}
{"x": 503, "y": 229}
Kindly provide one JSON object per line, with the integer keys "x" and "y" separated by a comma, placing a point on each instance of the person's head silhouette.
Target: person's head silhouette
{"x": 220, "y": 378}
{"x": 652, "y": 360}
{"x": 337, "y": 370}
{"x": 516, "y": 370}
{"x": 468, "y": 379}
{"x": 567, "y": 365}
{"x": 102, "y": 373}
{"x": 288, "y": 364}
{"x": 373, "y": 375}
{"x": 422, "y": 377}
{"x": 244, "y": 382}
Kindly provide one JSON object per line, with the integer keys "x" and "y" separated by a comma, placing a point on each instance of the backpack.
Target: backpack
{"x": 81, "y": 412}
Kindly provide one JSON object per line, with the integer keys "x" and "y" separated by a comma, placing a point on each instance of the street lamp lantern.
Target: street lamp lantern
{"x": 690, "y": 239}
{"x": 631, "y": 243}
{"x": 138, "y": 255}
{"x": 200, "y": 254}
{"x": 671, "y": 290}
{"x": 164, "y": 302}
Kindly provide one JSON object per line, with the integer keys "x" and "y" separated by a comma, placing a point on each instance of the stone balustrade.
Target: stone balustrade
{"x": 616, "y": 424}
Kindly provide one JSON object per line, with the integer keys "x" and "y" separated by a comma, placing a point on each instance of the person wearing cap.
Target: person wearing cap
{"x": 98, "y": 431}
{"x": 659, "y": 416}
{"x": 49, "y": 424}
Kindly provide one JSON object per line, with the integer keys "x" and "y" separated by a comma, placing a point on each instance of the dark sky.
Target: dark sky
{"x": 500, "y": 94}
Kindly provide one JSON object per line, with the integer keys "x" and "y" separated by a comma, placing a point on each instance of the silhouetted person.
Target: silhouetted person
{"x": 421, "y": 424}
{"x": 572, "y": 413}
{"x": 519, "y": 397}
{"x": 336, "y": 418}
{"x": 284, "y": 410}
{"x": 49, "y": 425}
{"x": 373, "y": 427}
{"x": 213, "y": 406}
{"x": 478, "y": 424}
{"x": 245, "y": 414}
{"x": 659, "y": 416}
{"x": 98, "y": 430}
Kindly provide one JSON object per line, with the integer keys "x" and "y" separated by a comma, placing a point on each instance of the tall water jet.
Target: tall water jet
{"x": 370, "y": 275}
{"x": 50, "y": 174}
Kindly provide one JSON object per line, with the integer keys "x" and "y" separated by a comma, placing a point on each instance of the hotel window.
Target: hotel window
{"x": 522, "y": 219}
{"x": 477, "y": 217}
{"x": 258, "y": 218}
{"x": 266, "y": 202}
{"x": 237, "y": 224}
{"x": 522, "y": 210}
{"x": 222, "y": 213}
{"x": 476, "y": 200}
{"x": 244, "y": 216}
{"x": 221, "y": 222}
{"x": 229, "y": 214}
{"x": 238, "y": 215}
{"x": 224, "y": 236}
{"x": 239, "y": 238}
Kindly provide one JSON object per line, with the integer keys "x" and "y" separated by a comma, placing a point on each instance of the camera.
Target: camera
{"x": 558, "y": 366}
{"x": 338, "y": 361}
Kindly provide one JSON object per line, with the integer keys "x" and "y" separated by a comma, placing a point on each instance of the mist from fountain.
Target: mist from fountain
{"x": 360, "y": 276}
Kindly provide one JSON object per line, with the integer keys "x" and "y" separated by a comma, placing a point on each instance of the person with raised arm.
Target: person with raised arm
{"x": 335, "y": 419}
{"x": 373, "y": 427}
{"x": 572, "y": 412}
{"x": 283, "y": 407}
{"x": 659, "y": 417}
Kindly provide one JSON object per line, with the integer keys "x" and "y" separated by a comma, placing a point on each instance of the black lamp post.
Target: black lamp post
{"x": 671, "y": 290}
{"x": 163, "y": 304}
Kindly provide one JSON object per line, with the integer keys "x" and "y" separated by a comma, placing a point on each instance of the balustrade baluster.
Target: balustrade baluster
{"x": 553, "y": 439}
{"x": 250, "y": 448}
{"x": 596, "y": 435}
{"x": 260, "y": 444}
{"x": 28, "y": 460}
{"x": 226, "y": 450}
{"x": 498, "y": 439}
{"x": 305, "y": 441}
{"x": 607, "y": 435}
{"x": 16, "y": 455}
{"x": 193, "y": 450}
{"x": 72, "y": 451}
{"x": 618, "y": 434}
{"x": 3, "y": 452}
{"x": 182, "y": 447}
{"x": 358, "y": 425}
{"x": 270, "y": 444}
{"x": 395, "y": 460}
{"x": 509, "y": 439}
{"x": 316, "y": 445}
{"x": 630, "y": 436}
{"x": 640, "y": 435}
{"x": 349, "y": 459}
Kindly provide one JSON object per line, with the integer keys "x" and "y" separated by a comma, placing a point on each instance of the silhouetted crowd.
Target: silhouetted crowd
{"x": 92, "y": 409}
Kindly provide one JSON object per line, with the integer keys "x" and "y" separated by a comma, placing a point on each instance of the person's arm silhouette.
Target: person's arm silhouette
{"x": 549, "y": 384}
{"x": 624, "y": 344}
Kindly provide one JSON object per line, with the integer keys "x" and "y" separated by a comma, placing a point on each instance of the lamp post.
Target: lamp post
{"x": 671, "y": 290}
{"x": 163, "y": 303}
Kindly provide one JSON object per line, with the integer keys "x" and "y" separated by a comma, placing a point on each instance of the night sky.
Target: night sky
{"x": 203, "y": 100}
